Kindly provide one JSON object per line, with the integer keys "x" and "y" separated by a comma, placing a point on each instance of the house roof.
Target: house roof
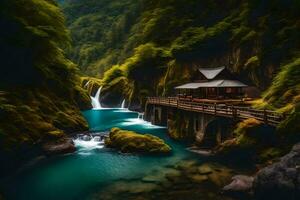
{"x": 211, "y": 84}
{"x": 211, "y": 73}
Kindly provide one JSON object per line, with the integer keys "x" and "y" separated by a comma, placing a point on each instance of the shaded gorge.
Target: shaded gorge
{"x": 97, "y": 172}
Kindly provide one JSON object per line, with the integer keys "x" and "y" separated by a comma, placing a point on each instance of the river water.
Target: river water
{"x": 95, "y": 172}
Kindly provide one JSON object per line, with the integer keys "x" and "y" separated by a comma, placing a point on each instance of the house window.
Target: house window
{"x": 211, "y": 90}
{"x": 229, "y": 90}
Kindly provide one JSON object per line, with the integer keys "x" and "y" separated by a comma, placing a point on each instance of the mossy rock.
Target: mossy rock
{"x": 131, "y": 142}
{"x": 91, "y": 84}
{"x": 205, "y": 169}
{"x": 254, "y": 141}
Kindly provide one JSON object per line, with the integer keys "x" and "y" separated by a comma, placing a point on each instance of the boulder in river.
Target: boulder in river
{"x": 62, "y": 146}
{"x": 205, "y": 169}
{"x": 239, "y": 184}
{"x": 86, "y": 138}
{"x": 280, "y": 180}
{"x": 131, "y": 142}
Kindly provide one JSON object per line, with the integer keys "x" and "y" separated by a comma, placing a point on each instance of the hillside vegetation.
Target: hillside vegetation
{"x": 99, "y": 30}
{"x": 142, "y": 48}
{"x": 40, "y": 95}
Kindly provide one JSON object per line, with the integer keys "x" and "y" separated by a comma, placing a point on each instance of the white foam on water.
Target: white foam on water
{"x": 88, "y": 145}
{"x": 139, "y": 121}
{"x": 85, "y": 153}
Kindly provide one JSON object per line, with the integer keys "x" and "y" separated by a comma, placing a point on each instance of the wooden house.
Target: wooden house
{"x": 213, "y": 83}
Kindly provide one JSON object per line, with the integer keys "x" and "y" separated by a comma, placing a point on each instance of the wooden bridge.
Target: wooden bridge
{"x": 219, "y": 109}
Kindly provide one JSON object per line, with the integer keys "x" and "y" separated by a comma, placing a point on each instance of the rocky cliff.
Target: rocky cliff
{"x": 148, "y": 47}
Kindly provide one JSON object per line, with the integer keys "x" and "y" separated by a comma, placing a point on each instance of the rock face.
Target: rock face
{"x": 240, "y": 185}
{"x": 62, "y": 146}
{"x": 280, "y": 180}
{"x": 131, "y": 142}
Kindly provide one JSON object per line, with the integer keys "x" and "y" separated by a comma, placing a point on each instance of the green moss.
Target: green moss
{"x": 176, "y": 74}
{"x": 38, "y": 116}
{"x": 180, "y": 127}
{"x": 270, "y": 153}
{"x": 253, "y": 141}
{"x": 289, "y": 129}
{"x": 131, "y": 142}
{"x": 283, "y": 96}
{"x": 56, "y": 134}
{"x": 286, "y": 86}
{"x": 252, "y": 62}
{"x": 249, "y": 36}
{"x": 200, "y": 40}
{"x": 137, "y": 74}
{"x": 91, "y": 84}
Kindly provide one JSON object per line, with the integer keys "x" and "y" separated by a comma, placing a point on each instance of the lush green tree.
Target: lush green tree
{"x": 39, "y": 92}
{"x": 256, "y": 40}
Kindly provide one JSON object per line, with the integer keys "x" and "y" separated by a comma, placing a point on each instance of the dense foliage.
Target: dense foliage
{"x": 253, "y": 141}
{"x": 255, "y": 39}
{"x": 39, "y": 96}
{"x": 99, "y": 29}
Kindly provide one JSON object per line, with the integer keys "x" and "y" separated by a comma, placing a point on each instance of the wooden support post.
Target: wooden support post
{"x": 232, "y": 110}
{"x": 215, "y": 109}
{"x": 265, "y": 116}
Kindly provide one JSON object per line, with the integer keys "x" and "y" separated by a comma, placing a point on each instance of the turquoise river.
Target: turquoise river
{"x": 96, "y": 172}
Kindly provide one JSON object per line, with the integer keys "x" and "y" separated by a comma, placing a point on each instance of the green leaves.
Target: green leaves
{"x": 32, "y": 42}
{"x": 39, "y": 83}
{"x": 285, "y": 88}
{"x": 202, "y": 41}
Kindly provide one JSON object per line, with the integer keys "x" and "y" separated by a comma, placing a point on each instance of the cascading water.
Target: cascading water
{"x": 86, "y": 143}
{"x": 123, "y": 104}
{"x": 141, "y": 116}
{"x": 87, "y": 84}
{"x": 96, "y": 100}
{"x": 94, "y": 166}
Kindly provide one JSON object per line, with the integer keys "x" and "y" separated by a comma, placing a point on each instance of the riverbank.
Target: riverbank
{"x": 186, "y": 179}
{"x": 105, "y": 173}
{"x": 97, "y": 168}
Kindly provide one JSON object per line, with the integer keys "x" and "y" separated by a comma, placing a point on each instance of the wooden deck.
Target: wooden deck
{"x": 219, "y": 109}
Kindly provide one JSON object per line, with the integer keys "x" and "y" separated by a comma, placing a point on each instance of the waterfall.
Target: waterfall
{"x": 87, "y": 84}
{"x": 141, "y": 116}
{"x": 123, "y": 104}
{"x": 96, "y": 99}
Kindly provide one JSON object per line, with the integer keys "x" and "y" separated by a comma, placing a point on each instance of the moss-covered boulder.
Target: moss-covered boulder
{"x": 131, "y": 142}
{"x": 253, "y": 141}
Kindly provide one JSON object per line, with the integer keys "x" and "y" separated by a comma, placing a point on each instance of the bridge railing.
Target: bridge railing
{"x": 221, "y": 109}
